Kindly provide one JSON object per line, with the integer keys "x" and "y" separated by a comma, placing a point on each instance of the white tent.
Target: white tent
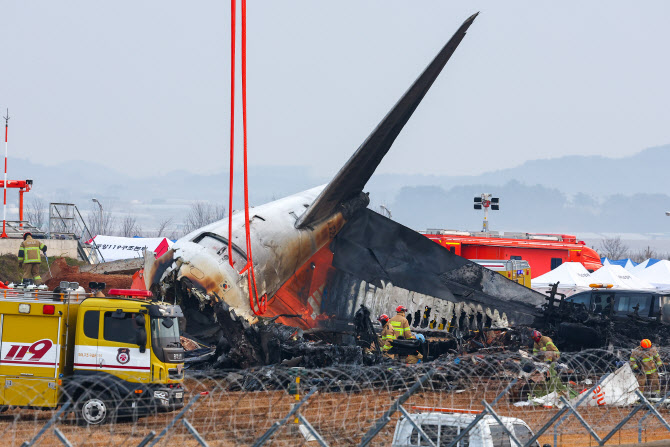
{"x": 627, "y": 263}
{"x": 644, "y": 264}
{"x": 571, "y": 276}
{"x": 619, "y": 277}
{"x": 657, "y": 275}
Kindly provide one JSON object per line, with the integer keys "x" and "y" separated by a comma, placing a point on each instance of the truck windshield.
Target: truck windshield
{"x": 165, "y": 337}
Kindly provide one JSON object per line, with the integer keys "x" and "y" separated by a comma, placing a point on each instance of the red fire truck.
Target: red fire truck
{"x": 544, "y": 252}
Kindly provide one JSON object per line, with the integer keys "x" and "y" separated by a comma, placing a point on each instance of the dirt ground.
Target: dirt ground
{"x": 238, "y": 418}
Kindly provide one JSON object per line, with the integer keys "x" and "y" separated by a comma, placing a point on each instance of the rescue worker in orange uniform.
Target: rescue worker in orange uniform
{"x": 401, "y": 330}
{"x": 645, "y": 362}
{"x": 386, "y": 336}
{"x": 544, "y": 348}
{"x": 31, "y": 258}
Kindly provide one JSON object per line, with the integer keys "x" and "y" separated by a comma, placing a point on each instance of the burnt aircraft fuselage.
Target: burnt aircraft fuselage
{"x": 286, "y": 233}
{"x": 279, "y": 249}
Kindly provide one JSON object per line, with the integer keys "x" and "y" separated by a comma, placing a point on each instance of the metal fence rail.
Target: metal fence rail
{"x": 355, "y": 405}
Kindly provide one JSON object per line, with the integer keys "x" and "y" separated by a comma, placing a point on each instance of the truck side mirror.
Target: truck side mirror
{"x": 141, "y": 335}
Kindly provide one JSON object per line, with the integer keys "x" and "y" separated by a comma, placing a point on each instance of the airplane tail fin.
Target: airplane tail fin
{"x": 351, "y": 179}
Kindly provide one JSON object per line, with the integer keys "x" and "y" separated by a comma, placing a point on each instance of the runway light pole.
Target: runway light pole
{"x": 100, "y": 205}
{"x": 486, "y": 201}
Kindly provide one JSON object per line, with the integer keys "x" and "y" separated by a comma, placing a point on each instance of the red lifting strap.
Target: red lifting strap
{"x": 254, "y": 301}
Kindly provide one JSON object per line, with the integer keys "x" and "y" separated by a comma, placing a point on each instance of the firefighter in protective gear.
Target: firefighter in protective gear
{"x": 400, "y": 325}
{"x": 401, "y": 329}
{"x": 386, "y": 336}
{"x": 544, "y": 348}
{"x": 645, "y": 362}
{"x": 31, "y": 258}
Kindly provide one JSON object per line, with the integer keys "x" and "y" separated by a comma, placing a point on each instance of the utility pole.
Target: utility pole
{"x": 4, "y": 208}
{"x": 486, "y": 201}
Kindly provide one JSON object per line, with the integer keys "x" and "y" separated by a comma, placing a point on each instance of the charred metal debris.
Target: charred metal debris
{"x": 573, "y": 327}
{"x": 236, "y": 344}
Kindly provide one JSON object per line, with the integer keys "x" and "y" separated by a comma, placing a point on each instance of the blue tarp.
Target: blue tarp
{"x": 621, "y": 262}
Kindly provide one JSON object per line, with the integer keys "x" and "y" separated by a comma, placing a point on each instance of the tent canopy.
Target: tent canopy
{"x": 619, "y": 277}
{"x": 572, "y": 277}
{"x": 626, "y": 263}
{"x": 644, "y": 264}
{"x": 568, "y": 274}
{"x": 658, "y": 275}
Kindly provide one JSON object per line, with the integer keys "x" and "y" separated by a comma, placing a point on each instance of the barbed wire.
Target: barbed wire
{"x": 235, "y": 408}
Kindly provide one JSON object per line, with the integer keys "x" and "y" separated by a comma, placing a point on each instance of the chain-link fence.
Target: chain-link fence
{"x": 587, "y": 398}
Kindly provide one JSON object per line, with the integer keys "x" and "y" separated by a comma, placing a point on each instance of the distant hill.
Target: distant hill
{"x": 566, "y": 194}
{"x": 643, "y": 172}
{"x": 531, "y": 209}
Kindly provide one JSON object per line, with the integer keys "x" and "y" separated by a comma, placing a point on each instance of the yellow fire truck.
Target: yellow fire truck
{"x": 516, "y": 270}
{"x": 109, "y": 356}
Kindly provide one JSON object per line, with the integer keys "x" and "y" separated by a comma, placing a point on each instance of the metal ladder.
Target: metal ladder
{"x": 66, "y": 222}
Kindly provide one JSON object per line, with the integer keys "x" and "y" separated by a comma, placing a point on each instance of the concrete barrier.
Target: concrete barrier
{"x": 55, "y": 247}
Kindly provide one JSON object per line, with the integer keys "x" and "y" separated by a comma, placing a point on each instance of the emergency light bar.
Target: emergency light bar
{"x": 131, "y": 292}
{"x": 445, "y": 410}
{"x": 601, "y": 286}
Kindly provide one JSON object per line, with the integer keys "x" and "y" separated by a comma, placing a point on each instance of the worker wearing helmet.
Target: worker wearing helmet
{"x": 387, "y": 335}
{"x": 544, "y": 347}
{"x": 31, "y": 258}
{"x": 401, "y": 329}
{"x": 645, "y": 362}
{"x": 399, "y": 323}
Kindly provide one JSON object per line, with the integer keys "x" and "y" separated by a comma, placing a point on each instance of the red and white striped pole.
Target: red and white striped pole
{"x": 4, "y": 207}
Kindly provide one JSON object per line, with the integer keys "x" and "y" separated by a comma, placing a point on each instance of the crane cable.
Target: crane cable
{"x": 254, "y": 301}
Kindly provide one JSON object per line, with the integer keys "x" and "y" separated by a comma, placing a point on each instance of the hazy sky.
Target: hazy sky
{"x": 143, "y": 85}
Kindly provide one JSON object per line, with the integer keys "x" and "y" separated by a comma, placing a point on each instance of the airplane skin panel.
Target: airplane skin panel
{"x": 380, "y": 251}
{"x": 304, "y": 292}
{"x": 351, "y": 179}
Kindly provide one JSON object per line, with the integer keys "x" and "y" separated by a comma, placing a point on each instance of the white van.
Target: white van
{"x": 443, "y": 425}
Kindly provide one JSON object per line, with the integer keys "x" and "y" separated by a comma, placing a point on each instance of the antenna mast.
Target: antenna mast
{"x": 4, "y": 208}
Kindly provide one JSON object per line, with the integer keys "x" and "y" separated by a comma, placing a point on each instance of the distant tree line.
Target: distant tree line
{"x": 112, "y": 224}
{"x": 614, "y": 248}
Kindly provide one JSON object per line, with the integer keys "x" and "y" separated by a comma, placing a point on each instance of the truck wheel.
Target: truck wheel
{"x": 95, "y": 408}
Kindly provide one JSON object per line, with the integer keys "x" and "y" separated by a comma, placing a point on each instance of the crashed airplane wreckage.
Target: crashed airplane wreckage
{"x": 320, "y": 254}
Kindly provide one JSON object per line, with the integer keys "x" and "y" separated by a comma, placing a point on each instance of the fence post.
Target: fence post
{"x": 147, "y": 438}
{"x": 260, "y": 441}
{"x": 481, "y": 415}
{"x": 176, "y": 418}
{"x": 61, "y": 437}
{"x": 639, "y": 423}
{"x": 581, "y": 420}
{"x": 381, "y": 422}
{"x": 622, "y": 423}
{"x": 652, "y": 409}
{"x": 47, "y": 425}
{"x": 579, "y": 402}
{"x": 191, "y": 429}
{"x": 500, "y": 422}
{"x": 311, "y": 430}
{"x": 417, "y": 427}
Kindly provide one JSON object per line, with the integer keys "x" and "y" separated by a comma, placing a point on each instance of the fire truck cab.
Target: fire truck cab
{"x": 108, "y": 356}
